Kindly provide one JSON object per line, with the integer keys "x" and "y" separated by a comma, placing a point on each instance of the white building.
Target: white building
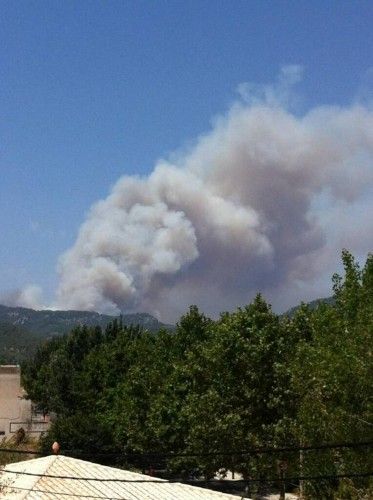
{"x": 56, "y": 477}
{"x": 15, "y": 411}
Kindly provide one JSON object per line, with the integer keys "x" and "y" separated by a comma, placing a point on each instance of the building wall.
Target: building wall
{"x": 15, "y": 410}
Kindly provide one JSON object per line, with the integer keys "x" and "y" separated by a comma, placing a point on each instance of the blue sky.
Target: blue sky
{"x": 93, "y": 90}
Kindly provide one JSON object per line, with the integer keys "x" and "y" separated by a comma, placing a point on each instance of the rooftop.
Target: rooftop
{"x": 56, "y": 476}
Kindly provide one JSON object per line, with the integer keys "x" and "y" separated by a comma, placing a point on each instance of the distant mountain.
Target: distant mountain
{"x": 47, "y": 323}
{"x": 312, "y": 305}
{"x": 21, "y": 329}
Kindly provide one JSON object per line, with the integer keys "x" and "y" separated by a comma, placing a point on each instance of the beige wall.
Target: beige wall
{"x": 15, "y": 411}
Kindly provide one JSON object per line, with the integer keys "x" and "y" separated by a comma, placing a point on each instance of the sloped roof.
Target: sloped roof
{"x": 80, "y": 479}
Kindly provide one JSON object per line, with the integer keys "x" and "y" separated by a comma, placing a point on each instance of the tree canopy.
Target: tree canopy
{"x": 248, "y": 379}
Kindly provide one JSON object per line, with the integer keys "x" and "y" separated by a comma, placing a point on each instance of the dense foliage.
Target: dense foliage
{"x": 214, "y": 388}
{"x": 16, "y": 343}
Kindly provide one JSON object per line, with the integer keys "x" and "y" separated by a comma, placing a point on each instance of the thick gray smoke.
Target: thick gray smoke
{"x": 252, "y": 206}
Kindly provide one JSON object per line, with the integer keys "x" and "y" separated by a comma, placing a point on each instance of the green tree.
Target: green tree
{"x": 332, "y": 377}
{"x": 239, "y": 388}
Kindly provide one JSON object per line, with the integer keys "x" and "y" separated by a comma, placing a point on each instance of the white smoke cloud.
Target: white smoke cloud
{"x": 30, "y": 296}
{"x": 281, "y": 93}
{"x": 245, "y": 209}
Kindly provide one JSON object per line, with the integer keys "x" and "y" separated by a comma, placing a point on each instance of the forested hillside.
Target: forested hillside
{"x": 47, "y": 323}
{"x": 311, "y": 305}
{"x": 22, "y": 329}
{"x": 212, "y": 388}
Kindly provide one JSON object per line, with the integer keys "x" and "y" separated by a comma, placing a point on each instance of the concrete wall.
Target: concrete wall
{"x": 15, "y": 410}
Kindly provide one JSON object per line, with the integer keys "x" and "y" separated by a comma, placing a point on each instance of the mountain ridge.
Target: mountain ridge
{"x": 22, "y": 329}
{"x": 49, "y": 322}
{"x": 312, "y": 305}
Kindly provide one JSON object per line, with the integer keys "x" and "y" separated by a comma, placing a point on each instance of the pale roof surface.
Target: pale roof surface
{"x": 105, "y": 482}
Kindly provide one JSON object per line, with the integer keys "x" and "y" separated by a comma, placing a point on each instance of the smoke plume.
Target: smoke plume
{"x": 259, "y": 203}
{"x": 30, "y": 296}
